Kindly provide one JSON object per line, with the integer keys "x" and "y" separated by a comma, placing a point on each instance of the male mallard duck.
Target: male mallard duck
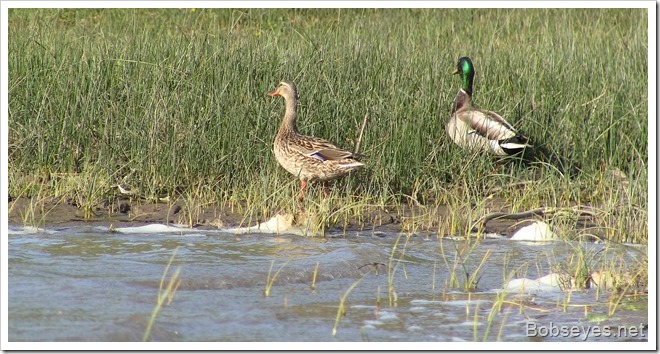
{"x": 308, "y": 157}
{"x": 473, "y": 128}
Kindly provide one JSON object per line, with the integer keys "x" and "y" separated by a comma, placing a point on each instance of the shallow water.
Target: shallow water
{"x": 89, "y": 284}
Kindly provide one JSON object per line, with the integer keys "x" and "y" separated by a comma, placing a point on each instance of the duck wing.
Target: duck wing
{"x": 487, "y": 124}
{"x": 320, "y": 149}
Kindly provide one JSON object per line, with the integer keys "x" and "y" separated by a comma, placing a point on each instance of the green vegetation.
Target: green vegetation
{"x": 172, "y": 102}
{"x": 165, "y": 295}
{"x": 392, "y": 267}
{"x": 270, "y": 280}
{"x": 459, "y": 275}
{"x": 341, "y": 309}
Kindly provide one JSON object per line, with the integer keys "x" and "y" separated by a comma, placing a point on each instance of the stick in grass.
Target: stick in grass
{"x": 359, "y": 139}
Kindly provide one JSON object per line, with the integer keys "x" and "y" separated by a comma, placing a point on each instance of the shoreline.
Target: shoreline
{"x": 135, "y": 212}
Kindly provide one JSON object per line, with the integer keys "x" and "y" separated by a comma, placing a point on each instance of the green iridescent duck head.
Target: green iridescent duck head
{"x": 466, "y": 70}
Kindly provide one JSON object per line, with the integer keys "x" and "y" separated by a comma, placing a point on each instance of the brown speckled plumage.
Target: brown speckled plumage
{"x": 308, "y": 157}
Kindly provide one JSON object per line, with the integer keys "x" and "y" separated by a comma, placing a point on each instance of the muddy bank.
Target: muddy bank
{"x": 130, "y": 212}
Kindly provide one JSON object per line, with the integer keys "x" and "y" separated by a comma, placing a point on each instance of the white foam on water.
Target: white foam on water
{"x": 457, "y": 339}
{"x": 370, "y": 307}
{"x": 470, "y": 302}
{"x": 29, "y": 230}
{"x": 422, "y": 301}
{"x": 418, "y": 309}
{"x": 387, "y": 316}
{"x": 372, "y": 323}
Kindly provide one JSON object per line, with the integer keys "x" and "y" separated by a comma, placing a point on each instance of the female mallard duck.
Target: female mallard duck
{"x": 472, "y": 128}
{"x": 308, "y": 157}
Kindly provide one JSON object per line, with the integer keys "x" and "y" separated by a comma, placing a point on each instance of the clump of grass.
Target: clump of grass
{"x": 194, "y": 201}
{"x": 392, "y": 267}
{"x": 341, "y": 310}
{"x": 460, "y": 276}
{"x": 165, "y": 295}
{"x": 271, "y": 280}
{"x": 495, "y": 310}
{"x": 29, "y": 214}
{"x": 630, "y": 282}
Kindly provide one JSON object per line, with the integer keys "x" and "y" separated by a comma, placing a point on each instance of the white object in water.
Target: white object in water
{"x": 537, "y": 231}
{"x": 278, "y": 224}
{"x": 152, "y": 229}
{"x": 550, "y": 282}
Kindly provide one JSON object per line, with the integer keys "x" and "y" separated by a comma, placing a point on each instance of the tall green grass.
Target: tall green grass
{"x": 175, "y": 98}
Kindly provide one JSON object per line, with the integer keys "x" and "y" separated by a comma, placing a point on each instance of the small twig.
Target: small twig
{"x": 359, "y": 139}
{"x": 374, "y": 264}
{"x": 595, "y": 99}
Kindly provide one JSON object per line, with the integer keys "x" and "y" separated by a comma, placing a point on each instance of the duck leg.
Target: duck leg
{"x": 326, "y": 190}
{"x": 303, "y": 185}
